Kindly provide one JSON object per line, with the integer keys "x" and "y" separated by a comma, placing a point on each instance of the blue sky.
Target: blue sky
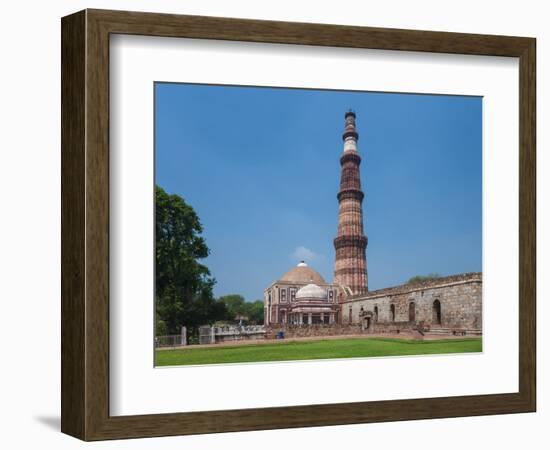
{"x": 261, "y": 168}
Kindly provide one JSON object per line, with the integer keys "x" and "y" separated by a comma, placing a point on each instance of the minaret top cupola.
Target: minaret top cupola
{"x": 350, "y": 135}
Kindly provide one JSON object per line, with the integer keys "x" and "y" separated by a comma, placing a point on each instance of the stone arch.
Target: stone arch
{"x": 412, "y": 311}
{"x": 436, "y": 312}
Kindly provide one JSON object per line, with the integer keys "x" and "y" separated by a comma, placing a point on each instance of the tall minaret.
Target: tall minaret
{"x": 350, "y": 269}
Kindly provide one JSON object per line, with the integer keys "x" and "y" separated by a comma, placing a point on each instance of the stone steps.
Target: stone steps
{"x": 452, "y": 331}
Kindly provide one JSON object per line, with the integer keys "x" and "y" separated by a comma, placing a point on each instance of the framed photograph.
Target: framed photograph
{"x": 273, "y": 225}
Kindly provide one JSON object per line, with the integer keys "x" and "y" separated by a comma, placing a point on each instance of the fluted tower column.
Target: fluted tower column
{"x": 350, "y": 269}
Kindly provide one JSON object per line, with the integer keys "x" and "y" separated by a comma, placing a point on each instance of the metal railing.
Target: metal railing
{"x": 174, "y": 340}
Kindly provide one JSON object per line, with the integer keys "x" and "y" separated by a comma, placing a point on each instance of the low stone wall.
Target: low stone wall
{"x": 394, "y": 328}
{"x": 298, "y": 331}
{"x": 216, "y": 334}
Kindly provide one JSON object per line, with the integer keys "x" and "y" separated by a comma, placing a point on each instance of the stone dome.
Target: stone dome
{"x": 302, "y": 273}
{"x": 311, "y": 291}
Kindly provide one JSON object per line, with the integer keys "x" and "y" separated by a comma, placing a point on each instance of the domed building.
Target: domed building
{"x": 300, "y": 296}
{"x": 312, "y": 306}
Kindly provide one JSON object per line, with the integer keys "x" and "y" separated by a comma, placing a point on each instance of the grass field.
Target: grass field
{"x": 322, "y": 349}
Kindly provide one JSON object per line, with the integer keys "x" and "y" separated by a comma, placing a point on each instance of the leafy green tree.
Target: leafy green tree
{"x": 255, "y": 312}
{"x": 236, "y": 305}
{"x": 421, "y": 278}
{"x": 183, "y": 285}
{"x": 160, "y": 327}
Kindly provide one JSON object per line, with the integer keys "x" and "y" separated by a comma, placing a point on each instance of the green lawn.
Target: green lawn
{"x": 330, "y": 348}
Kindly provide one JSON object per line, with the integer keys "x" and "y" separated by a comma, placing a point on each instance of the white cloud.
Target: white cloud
{"x": 302, "y": 253}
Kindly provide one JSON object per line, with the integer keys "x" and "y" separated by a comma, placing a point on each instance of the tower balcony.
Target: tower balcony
{"x": 345, "y": 194}
{"x": 350, "y": 241}
{"x": 350, "y": 156}
{"x": 350, "y": 133}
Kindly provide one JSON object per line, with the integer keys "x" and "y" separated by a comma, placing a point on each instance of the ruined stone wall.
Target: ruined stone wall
{"x": 297, "y": 331}
{"x": 394, "y": 328}
{"x": 459, "y": 298}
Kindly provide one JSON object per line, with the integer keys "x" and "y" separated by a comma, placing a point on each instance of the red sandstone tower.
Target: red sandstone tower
{"x": 350, "y": 270}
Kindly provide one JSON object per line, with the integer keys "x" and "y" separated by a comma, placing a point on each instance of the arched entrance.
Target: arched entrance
{"x": 412, "y": 312}
{"x": 365, "y": 318}
{"x": 436, "y": 313}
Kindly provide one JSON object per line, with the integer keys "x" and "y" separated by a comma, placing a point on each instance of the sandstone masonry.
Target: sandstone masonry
{"x": 452, "y": 302}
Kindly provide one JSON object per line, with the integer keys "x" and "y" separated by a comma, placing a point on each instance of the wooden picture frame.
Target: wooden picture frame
{"x": 85, "y": 224}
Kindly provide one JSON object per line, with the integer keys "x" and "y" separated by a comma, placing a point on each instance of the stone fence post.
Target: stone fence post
{"x": 183, "y": 335}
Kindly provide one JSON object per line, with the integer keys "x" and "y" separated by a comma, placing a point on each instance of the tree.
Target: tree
{"x": 160, "y": 326}
{"x": 255, "y": 312}
{"x": 236, "y": 305}
{"x": 183, "y": 285}
{"x": 421, "y": 278}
